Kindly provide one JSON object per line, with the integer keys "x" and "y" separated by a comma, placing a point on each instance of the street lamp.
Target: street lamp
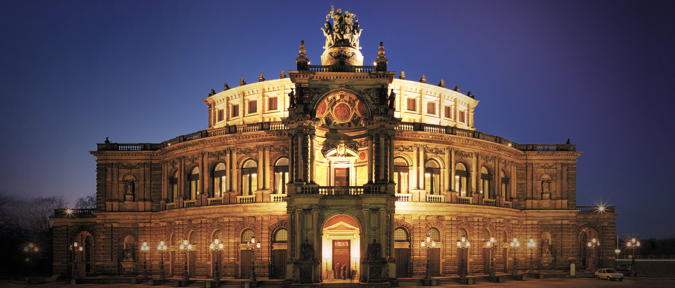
{"x": 144, "y": 249}
{"x": 30, "y": 249}
{"x": 464, "y": 245}
{"x": 215, "y": 248}
{"x": 591, "y": 245}
{"x": 429, "y": 245}
{"x": 161, "y": 248}
{"x": 632, "y": 245}
{"x": 74, "y": 249}
{"x": 491, "y": 245}
{"x": 186, "y": 247}
{"x": 256, "y": 245}
{"x": 530, "y": 246}
{"x": 515, "y": 244}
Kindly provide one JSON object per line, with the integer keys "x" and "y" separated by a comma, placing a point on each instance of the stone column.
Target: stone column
{"x": 228, "y": 171}
{"x": 364, "y": 245}
{"x": 261, "y": 168}
{"x": 301, "y": 138}
{"x": 391, "y": 158}
{"x": 383, "y": 177}
{"x": 317, "y": 251}
{"x": 370, "y": 158}
{"x": 202, "y": 176}
{"x": 311, "y": 158}
{"x": 267, "y": 170}
{"x": 291, "y": 158}
{"x": 391, "y": 237}
{"x": 413, "y": 173}
{"x": 234, "y": 170}
{"x": 421, "y": 168}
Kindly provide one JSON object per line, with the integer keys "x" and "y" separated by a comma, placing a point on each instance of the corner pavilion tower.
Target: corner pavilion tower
{"x": 338, "y": 170}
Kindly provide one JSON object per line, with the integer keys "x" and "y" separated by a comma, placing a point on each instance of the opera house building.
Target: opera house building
{"x": 334, "y": 171}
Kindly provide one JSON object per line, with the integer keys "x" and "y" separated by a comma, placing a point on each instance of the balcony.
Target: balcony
{"x": 595, "y": 209}
{"x": 74, "y": 213}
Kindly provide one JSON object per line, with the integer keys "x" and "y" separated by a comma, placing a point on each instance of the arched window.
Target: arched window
{"x": 400, "y": 235}
{"x": 218, "y": 235}
{"x": 486, "y": 235}
{"x": 173, "y": 187}
{"x": 280, "y": 175}
{"x": 281, "y": 235}
{"x": 249, "y": 177}
{"x": 194, "y": 184}
{"x": 192, "y": 238}
{"x": 505, "y": 185}
{"x": 401, "y": 172}
{"x": 462, "y": 234}
{"x": 432, "y": 177}
{"x": 219, "y": 180}
{"x": 486, "y": 183}
{"x": 246, "y": 236}
{"x": 461, "y": 179}
{"x": 434, "y": 235}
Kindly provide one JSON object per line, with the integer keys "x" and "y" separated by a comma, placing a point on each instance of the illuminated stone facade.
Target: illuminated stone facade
{"x": 334, "y": 156}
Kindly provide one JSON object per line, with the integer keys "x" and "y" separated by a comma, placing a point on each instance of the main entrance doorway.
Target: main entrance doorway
{"x": 341, "y": 260}
{"x": 340, "y": 248}
{"x": 341, "y": 176}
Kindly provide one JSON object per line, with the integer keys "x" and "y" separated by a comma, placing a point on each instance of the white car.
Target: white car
{"x": 609, "y": 274}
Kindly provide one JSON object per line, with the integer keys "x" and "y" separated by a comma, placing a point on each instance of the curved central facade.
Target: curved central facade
{"x": 335, "y": 171}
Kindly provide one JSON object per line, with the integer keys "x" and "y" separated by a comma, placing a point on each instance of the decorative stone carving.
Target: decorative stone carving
{"x": 374, "y": 250}
{"x": 545, "y": 187}
{"x": 344, "y": 31}
{"x": 462, "y": 154}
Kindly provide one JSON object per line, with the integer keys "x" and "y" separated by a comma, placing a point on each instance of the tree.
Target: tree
{"x": 86, "y": 202}
{"x": 37, "y": 214}
{"x": 12, "y": 237}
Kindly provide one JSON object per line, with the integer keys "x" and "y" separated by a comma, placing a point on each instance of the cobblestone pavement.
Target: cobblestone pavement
{"x": 551, "y": 282}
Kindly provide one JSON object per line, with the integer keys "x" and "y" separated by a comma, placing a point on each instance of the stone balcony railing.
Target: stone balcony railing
{"x": 595, "y": 209}
{"x": 63, "y": 213}
{"x": 341, "y": 68}
{"x": 264, "y": 126}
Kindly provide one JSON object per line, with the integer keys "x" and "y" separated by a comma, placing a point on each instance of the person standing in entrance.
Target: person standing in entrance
{"x": 337, "y": 270}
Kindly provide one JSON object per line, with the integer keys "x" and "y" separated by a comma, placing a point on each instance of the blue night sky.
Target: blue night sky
{"x": 601, "y": 73}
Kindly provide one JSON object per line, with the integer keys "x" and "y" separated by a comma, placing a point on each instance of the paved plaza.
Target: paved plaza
{"x": 551, "y": 282}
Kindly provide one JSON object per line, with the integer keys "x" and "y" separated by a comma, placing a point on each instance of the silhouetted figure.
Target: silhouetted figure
{"x": 108, "y": 141}
{"x": 568, "y": 141}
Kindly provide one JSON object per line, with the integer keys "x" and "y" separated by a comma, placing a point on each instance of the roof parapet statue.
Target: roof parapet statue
{"x": 442, "y": 84}
{"x": 402, "y": 77}
{"x": 344, "y": 31}
{"x": 302, "y": 61}
{"x": 282, "y": 75}
{"x": 241, "y": 82}
{"x": 261, "y": 78}
{"x": 381, "y": 60}
{"x": 225, "y": 87}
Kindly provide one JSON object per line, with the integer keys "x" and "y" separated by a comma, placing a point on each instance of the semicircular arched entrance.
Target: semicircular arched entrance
{"x": 341, "y": 246}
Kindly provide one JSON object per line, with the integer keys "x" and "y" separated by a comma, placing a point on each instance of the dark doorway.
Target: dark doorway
{"x": 192, "y": 266}
{"x": 402, "y": 256}
{"x": 341, "y": 254}
{"x": 279, "y": 264}
{"x": 435, "y": 261}
{"x": 341, "y": 177}
{"x": 487, "y": 253}
{"x": 246, "y": 257}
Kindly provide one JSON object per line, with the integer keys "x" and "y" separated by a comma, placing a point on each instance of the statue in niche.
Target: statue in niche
{"x": 128, "y": 190}
{"x": 128, "y": 250}
{"x": 341, "y": 150}
{"x": 306, "y": 251}
{"x": 545, "y": 186}
{"x": 392, "y": 99}
{"x": 545, "y": 248}
{"x": 374, "y": 250}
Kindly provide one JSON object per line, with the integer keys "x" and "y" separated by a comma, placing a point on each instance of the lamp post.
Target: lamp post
{"x": 632, "y": 245}
{"x": 74, "y": 248}
{"x": 161, "y": 248}
{"x": 30, "y": 249}
{"x": 515, "y": 244}
{"x": 144, "y": 249}
{"x": 429, "y": 244}
{"x": 491, "y": 245}
{"x": 186, "y": 247}
{"x": 463, "y": 244}
{"x": 215, "y": 247}
{"x": 592, "y": 245}
{"x": 252, "y": 246}
{"x": 530, "y": 246}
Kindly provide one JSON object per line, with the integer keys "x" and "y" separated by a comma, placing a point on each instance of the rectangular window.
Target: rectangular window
{"x": 448, "y": 111}
{"x": 235, "y": 111}
{"x": 252, "y": 106}
{"x": 272, "y": 105}
{"x": 431, "y": 108}
{"x": 461, "y": 117}
{"x": 221, "y": 115}
{"x": 411, "y": 104}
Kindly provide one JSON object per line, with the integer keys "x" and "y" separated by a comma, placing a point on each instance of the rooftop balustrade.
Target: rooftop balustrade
{"x": 273, "y": 126}
{"x": 65, "y": 213}
{"x": 595, "y": 209}
{"x": 341, "y": 68}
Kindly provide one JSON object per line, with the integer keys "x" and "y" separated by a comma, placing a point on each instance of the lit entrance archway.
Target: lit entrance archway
{"x": 341, "y": 246}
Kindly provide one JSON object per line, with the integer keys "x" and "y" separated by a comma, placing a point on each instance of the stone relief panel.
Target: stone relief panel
{"x": 342, "y": 110}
